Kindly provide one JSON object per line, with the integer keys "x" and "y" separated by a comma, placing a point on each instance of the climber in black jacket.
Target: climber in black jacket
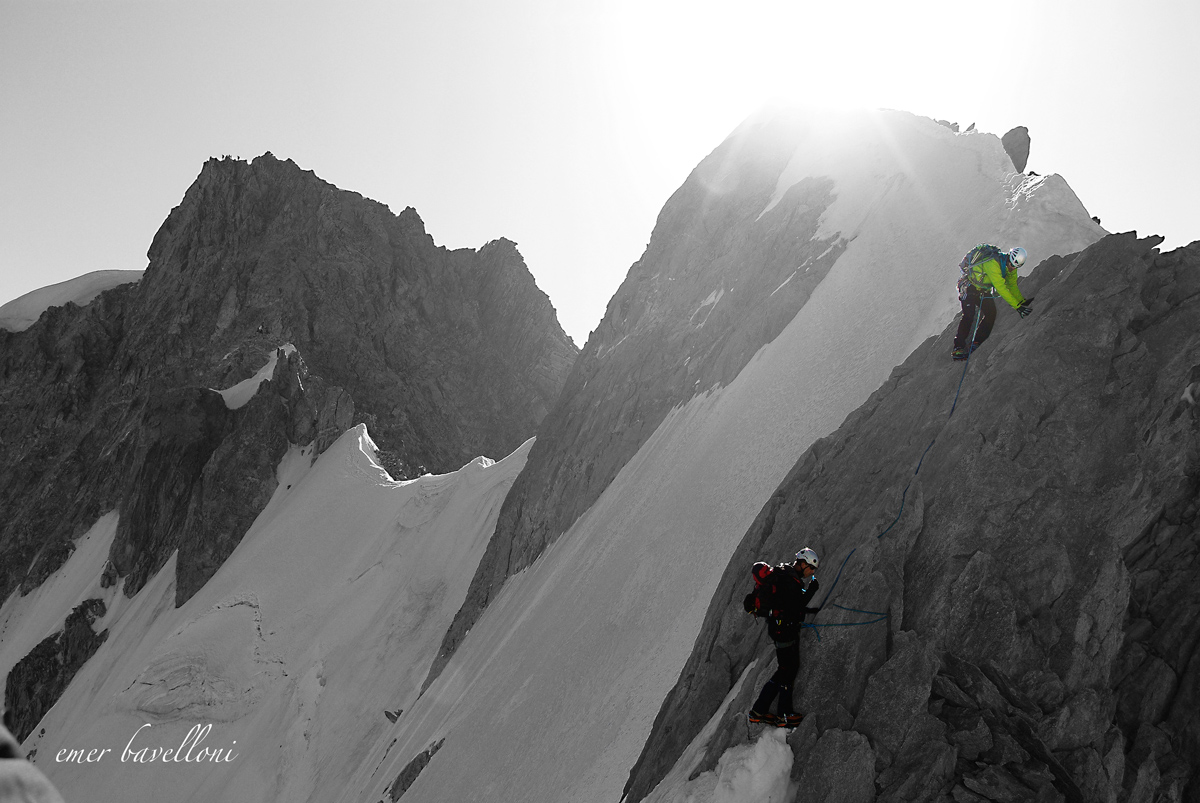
{"x": 781, "y": 594}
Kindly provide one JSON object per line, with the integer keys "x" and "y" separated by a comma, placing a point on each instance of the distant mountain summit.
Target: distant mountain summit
{"x": 267, "y": 252}
{"x": 445, "y": 354}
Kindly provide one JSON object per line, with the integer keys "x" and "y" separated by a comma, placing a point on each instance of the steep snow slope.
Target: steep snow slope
{"x": 328, "y": 612}
{"x": 551, "y": 695}
{"x": 755, "y": 772}
{"x": 20, "y": 313}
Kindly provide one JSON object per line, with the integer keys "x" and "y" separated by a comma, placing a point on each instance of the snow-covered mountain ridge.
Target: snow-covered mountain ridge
{"x": 602, "y": 650}
{"x": 333, "y": 602}
{"x": 447, "y": 354}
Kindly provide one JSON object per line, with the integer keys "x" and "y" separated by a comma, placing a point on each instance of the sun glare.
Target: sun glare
{"x": 701, "y": 60}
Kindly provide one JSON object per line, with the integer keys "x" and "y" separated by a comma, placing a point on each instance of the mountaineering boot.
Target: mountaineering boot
{"x": 759, "y": 717}
{"x": 959, "y": 353}
{"x": 790, "y": 720}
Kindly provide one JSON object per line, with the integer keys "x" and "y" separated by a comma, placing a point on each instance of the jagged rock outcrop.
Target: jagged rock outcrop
{"x": 412, "y": 770}
{"x": 39, "y": 678}
{"x": 61, "y": 405}
{"x": 1039, "y": 573}
{"x": 719, "y": 279}
{"x": 1016, "y": 145}
{"x": 173, "y": 440}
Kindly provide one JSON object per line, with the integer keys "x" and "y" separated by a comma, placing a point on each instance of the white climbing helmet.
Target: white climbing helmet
{"x": 808, "y": 556}
{"x": 1017, "y": 256}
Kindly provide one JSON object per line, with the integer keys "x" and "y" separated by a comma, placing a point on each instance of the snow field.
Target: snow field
{"x": 756, "y": 772}
{"x": 753, "y": 773}
{"x": 329, "y": 611}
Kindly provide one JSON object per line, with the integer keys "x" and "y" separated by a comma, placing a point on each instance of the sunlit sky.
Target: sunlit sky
{"x": 562, "y": 125}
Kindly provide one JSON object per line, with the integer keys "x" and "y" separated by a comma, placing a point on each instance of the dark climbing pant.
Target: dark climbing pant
{"x": 787, "y": 655}
{"x": 987, "y": 316}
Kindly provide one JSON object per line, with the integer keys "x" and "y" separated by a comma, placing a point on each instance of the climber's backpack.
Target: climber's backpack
{"x": 982, "y": 253}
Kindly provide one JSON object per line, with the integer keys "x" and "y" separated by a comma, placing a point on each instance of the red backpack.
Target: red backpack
{"x": 758, "y": 601}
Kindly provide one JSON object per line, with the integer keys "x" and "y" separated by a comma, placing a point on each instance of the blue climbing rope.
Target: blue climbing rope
{"x": 835, "y": 580}
{"x": 856, "y": 610}
{"x": 816, "y": 627}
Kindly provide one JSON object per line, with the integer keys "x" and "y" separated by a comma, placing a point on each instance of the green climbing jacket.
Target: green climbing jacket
{"x": 987, "y": 268}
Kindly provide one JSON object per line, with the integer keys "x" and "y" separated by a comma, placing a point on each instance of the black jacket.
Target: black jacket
{"x": 783, "y": 600}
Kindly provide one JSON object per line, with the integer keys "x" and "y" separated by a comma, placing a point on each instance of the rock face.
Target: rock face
{"x": 689, "y": 315}
{"x": 446, "y": 355}
{"x": 1016, "y": 145}
{"x": 412, "y": 770}
{"x": 39, "y": 678}
{"x": 1038, "y": 574}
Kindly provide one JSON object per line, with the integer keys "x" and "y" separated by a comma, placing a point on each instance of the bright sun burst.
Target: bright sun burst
{"x": 709, "y": 59}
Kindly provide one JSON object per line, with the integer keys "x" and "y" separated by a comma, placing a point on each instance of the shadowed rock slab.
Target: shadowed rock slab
{"x": 1016, "y": 145}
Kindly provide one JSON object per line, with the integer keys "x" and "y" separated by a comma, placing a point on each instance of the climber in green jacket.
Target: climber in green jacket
{"x": 987, "y": 272}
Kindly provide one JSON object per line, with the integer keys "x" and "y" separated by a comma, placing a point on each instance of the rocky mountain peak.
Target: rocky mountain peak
{"x": 411, "y": 223}
{"x": 446, "y": 355}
